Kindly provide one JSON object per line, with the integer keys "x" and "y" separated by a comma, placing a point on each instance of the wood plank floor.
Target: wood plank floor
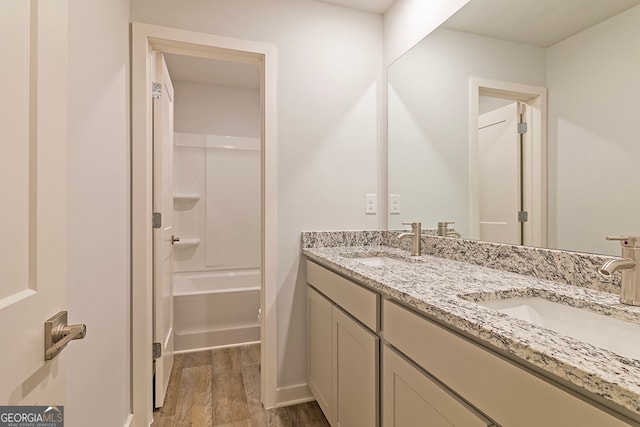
{"x": 221, "y": 388}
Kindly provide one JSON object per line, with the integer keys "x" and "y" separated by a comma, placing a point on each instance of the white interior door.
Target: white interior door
{"x": 499, "y": 177}
{"x": 33, "y": 197}
{"x": 163, "y": 235}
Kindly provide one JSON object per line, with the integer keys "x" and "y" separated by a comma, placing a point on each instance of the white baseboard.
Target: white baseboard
{"x": 128, "y": 422}
{"x": 292, "y": 395}
{"x": 219, "y": 338}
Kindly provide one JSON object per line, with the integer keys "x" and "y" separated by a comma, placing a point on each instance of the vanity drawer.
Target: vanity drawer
{"x": 507, "y": 393}
{"x": 353, "y": 298}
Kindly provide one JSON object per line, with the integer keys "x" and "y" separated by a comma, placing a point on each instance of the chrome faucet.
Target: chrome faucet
{"x": 627, "y": 264}
{"x": 443, "y": 230}
{"x": 416, "y": 237}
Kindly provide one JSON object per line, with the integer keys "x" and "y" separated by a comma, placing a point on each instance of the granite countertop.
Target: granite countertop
{"x": 445, "y": 290}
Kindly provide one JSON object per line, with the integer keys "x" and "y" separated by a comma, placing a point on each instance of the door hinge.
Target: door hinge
{"x": 522, "y": 128}
{"x": 157, "y": 350}
{"x": 523, "y": 216}
{"x": 157, "y": 220}
{"x": 156, "y": 90}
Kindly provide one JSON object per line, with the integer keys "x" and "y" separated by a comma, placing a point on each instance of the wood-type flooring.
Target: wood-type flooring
{"x": 221, "y": 388}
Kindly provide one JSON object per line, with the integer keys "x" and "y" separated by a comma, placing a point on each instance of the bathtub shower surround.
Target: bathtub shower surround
{"x": 217, "y": 184}
{"x": 217, "y": 260}
{"x": 214, "y": 309}
{"x": 572, "y": 268}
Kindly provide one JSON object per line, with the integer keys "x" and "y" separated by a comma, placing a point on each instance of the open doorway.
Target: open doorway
{"x": 170, "y": 42}
{"x": 217, "y": 182}
{"x": 211, "y": 220}
{"x": 507, "y": 162}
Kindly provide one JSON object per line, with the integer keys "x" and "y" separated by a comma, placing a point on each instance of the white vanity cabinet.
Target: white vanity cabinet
{"x": 343, "y": 348}
{"x": 508, "y": 394}
{"x": 422, "y": 373}
{"x": 319, "y": 349}
{"x": 412, "y": 398}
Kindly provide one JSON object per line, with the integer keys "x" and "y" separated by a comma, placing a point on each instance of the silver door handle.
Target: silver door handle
{"x": 57, "y": 334}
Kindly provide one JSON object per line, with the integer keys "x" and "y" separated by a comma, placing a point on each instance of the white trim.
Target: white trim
{"x": 170, "y": 40}
{"x": 128, "y": 422}
{"x": 294, "y": 394}
{"x": 535, "y": 97}
{"x": 193, "y": 140}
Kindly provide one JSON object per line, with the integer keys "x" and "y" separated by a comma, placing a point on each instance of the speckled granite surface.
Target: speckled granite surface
{"x": 573, "y": 268}
{"x": 445, "y": 289}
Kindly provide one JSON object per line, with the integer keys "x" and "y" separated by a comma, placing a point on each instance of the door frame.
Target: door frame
{"x": 145, "y": 38}
{"x": 536, "y": 98}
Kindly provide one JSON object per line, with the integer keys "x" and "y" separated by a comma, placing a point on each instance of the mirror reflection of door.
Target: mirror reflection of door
{"x": 500, "y": 175}
{"x": 507, "y": 168}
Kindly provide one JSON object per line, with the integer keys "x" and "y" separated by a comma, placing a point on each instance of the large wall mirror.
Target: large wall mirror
{"x": 457, "y": 152}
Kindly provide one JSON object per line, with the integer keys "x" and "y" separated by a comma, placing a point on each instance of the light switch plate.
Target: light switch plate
{"x": 394, "y": 203}
{"x": 370, "y": 203}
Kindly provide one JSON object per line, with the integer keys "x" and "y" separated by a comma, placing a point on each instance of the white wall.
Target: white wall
{"x": 409, "y": 21}
{"x": 593, "y": 145}
{"x": 329, "y": 83}
{"x": 98, "y": 367}
{"x": 216, "y": 110}
{"x": 428, "y": 119}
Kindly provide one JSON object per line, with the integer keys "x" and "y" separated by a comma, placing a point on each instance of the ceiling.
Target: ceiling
{"x": 535, "y": 22}
{"x": 373, "y": 6}
{"x": 213, "y": 71}
{"x": 492, "y": 18}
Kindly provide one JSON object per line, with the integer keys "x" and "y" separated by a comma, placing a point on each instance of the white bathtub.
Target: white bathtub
{"x": 216, "y": 309}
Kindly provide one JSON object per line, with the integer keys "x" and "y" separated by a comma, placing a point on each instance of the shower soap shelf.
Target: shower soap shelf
{"x": 185, "y": 201}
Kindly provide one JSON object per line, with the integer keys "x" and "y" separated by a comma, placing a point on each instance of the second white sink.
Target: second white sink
{"x": 602, "y": 331}
{"x": 380, "y": 261}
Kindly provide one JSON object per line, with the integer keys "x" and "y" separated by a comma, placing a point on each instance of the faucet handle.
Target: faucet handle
{"x": 626, "y": 241}
{"x": 445, "y": 223}
{"x": 412, "y": 224}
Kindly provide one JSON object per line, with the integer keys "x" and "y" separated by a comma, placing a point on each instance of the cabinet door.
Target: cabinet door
{"x": 319, "y": 344}
{"x": 410, "y": 398}
{"x": 496, "y": 386}
{"x": 355, "y": 369}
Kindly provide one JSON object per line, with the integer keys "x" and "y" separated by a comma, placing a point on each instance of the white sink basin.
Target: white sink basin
{"x": 599, "y": 330}
{"x": 379, "y": 261}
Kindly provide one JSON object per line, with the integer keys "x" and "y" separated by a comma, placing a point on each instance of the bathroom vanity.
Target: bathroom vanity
{"x": 400, "y": 340}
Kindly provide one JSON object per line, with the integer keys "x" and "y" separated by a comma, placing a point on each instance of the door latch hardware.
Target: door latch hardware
{"x": 57, "y": 334}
